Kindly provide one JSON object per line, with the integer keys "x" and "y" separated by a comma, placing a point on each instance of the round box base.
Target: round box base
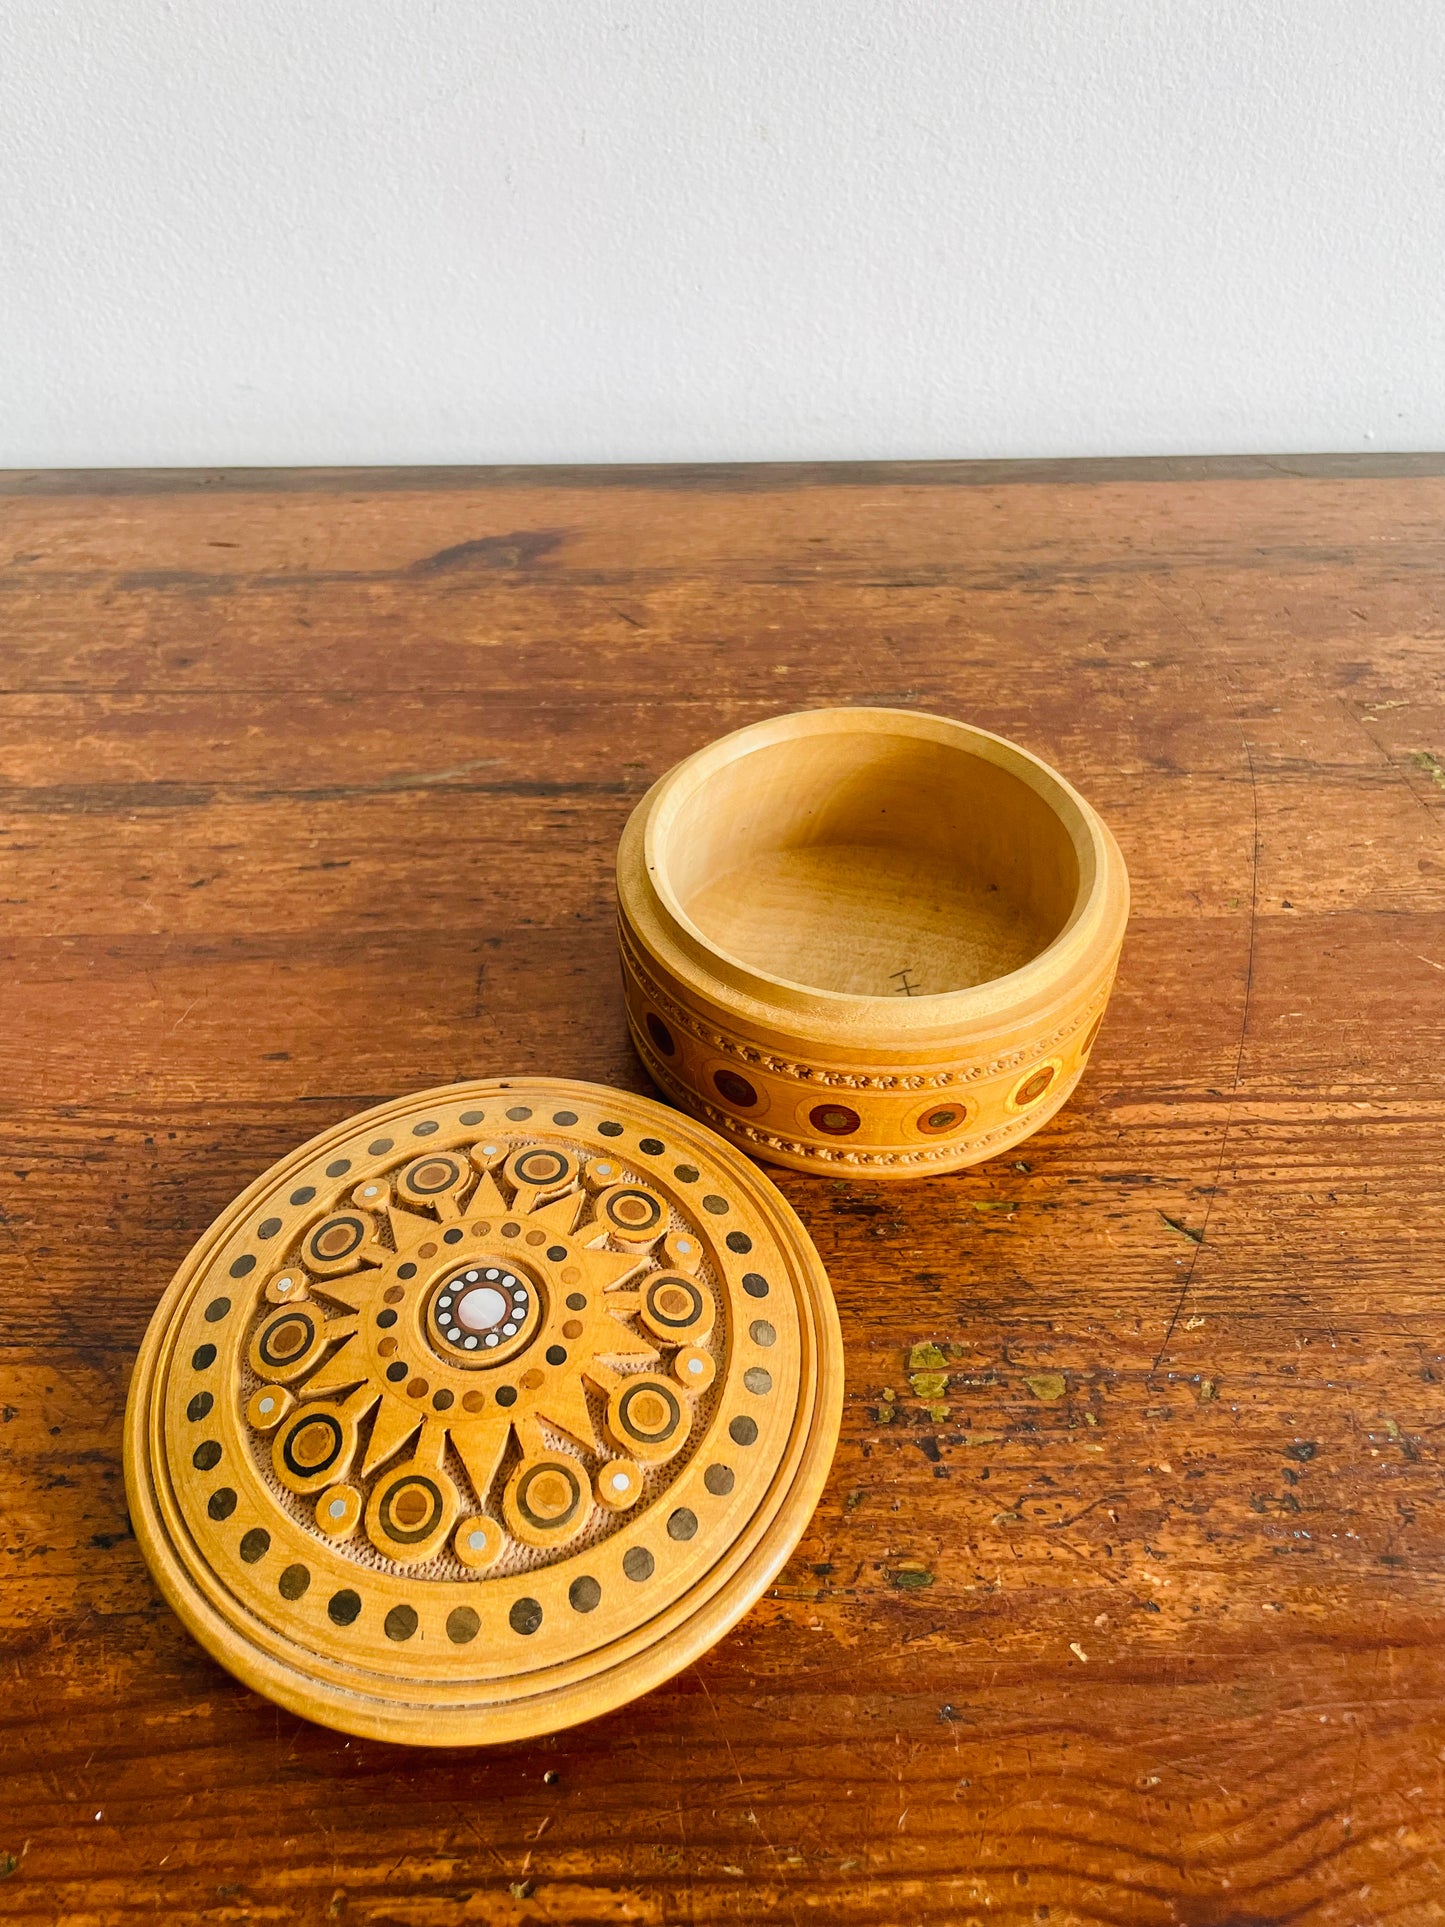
{"x": 868, "y": 938}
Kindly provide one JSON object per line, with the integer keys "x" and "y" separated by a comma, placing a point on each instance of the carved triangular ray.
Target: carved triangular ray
{"x": 603, "y": 1270}
{"x": 346, "y": 1366}
{"x": 487, "y": 1200}
{"x": 566, "y": 1407}
{"x": 393, "y": 1426}
{"x": 561, "y": 1214}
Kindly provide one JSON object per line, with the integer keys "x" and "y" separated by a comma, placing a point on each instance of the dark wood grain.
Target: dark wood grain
{"x": 310, "y": 786}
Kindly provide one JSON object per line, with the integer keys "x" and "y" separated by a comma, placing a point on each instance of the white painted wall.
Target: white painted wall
{"x": 292, "y": 231}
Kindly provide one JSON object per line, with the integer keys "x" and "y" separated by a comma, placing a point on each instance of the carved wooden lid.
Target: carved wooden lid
{"x": 484, "y": 1412}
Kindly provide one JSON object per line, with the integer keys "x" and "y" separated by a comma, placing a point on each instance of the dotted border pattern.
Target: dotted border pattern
{"x": 947, "y": 1152}
{"x": 732, "y": 1046}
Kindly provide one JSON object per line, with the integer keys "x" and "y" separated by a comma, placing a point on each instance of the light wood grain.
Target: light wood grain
{"x": 312, "y": 787}
{"x": 868, "y": 939}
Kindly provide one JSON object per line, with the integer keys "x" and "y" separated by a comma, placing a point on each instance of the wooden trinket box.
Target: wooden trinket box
{"x": 868, "y": 938}
{"x": 484, "y": 1412}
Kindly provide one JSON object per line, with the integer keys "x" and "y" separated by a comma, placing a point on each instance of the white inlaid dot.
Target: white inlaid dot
{"x": 480, "y": 1308}
{"x": 491, "y": 1340}
{"x": 268, "y": 1404}
{"x": 476, "y": 1540}
{"x": 369, "y": 1192}
{"x": 694, "y": 1365}
{"x": 493, "y": 1272}
{"x": 620, "y": 1482}
{"x": 337, "y": 1508}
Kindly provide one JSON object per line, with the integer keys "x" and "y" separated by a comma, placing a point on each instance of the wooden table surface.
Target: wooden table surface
{"x": 311, "y": 785}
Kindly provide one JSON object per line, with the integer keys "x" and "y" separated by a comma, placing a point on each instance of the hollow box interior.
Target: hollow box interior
{"x": 872, "y": 864}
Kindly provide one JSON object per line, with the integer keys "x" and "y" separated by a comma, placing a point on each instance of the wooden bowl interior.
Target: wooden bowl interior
{"x": 871, "y": 863}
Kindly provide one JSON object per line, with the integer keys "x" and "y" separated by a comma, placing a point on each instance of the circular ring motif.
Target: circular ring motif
{"x": 483, "y": 1314}
{"x": 735, "y": 1089}
{"x": 311, "y": 1448}
{"x": 661, "y": 1036}
{"x": 631, "y": 1212}
{"x": 333, "y": 1245}
{"x": 834, "y": 1120}
{"x": 645, "y": 1417}
{"x": 677, "y": 1307}
{"x": 547, "y": 1501}
{"x": 431, "y": 1176}
{"x": 410, "y": 1510}
{"x": 286, "y": 1346}
{"x": 541, "y": 1169}
{"x": 1032, "y": 1086}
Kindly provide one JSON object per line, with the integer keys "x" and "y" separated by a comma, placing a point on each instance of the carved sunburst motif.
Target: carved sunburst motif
{"x": 484, "y": 1352}
{"x": 483, "y": 1411}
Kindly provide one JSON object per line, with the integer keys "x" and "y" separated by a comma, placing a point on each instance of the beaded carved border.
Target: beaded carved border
{"x": 733, "y": 1046}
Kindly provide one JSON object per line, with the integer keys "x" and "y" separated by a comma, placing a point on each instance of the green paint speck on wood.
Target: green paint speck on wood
{"x": 926, "y": 1358}
{"x": 1047, "y": 1385}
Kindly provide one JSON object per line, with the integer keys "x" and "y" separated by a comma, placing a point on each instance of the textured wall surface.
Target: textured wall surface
{"x": 482, "y": 230}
